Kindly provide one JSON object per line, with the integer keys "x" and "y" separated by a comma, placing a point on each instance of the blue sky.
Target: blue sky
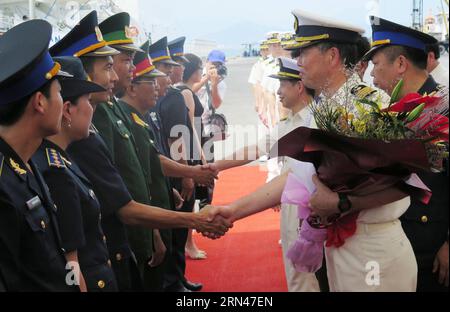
{"x": 198, "y": 18}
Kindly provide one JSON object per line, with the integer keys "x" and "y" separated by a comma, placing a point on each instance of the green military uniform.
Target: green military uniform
{"x": 160, "y": 196}
{"x": 109, "y": 119}
{"x": 151, "y": 165}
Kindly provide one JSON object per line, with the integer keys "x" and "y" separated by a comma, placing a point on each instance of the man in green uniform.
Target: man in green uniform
{"x": 139, "y": 97}
{"x": 110, "y": 120}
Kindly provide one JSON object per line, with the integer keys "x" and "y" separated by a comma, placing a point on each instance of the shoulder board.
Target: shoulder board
{"x": 441, "y": 87}
{"x": 139, "y": 121}
{"x": 2, "y": 160}
{"x": 268, "y": 61}
{"x": 362, "y": 91}
{"x": 54, "y": 158}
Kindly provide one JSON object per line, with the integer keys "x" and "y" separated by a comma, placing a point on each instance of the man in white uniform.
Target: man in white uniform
{"x": 256, "y": 76}
{"x": 379, "y": 257}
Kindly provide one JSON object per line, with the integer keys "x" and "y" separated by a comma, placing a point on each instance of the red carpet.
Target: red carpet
{"x": 248, "y": 258}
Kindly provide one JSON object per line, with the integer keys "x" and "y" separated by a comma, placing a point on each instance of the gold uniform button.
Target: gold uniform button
{"x": 127, "y": 136}
{"x": 109, "y": 263}
{"x": 101, "y": 284}
{"x": 118, "y": 257}
{"x": 424, "y": 219}
{"x": 104, "y": 239}
{"x": 43, "y": 225}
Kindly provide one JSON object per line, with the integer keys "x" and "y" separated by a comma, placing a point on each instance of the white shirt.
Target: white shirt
{"x": 271, "y": 68}
{"x": 345, "y": 93}
{"x": 440, "y": 74}
{"x": 204, "y": 99}
{"x": 385, "y": 213}
{"x": 303, "y": 118}
{"x": 257, "y": 72}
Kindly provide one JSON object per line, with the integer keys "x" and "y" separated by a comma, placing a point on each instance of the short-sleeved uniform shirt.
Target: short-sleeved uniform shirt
{"x": 78, "y": 215}
{"x": 31, "y": 254}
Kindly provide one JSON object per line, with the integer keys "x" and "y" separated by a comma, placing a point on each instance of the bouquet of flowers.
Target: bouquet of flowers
{"x": 363, "y": 146}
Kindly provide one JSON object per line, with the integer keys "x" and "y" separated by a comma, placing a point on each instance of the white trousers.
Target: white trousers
{"x": 378, "y": 258}
{"x": 296, "y": 281}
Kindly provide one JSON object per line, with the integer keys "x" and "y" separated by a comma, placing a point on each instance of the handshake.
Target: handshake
{"x": 214, "y": 222}
{"x": 205, "y": 175}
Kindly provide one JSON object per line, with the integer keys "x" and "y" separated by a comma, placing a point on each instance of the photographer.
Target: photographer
{"x": 211, "y": 91}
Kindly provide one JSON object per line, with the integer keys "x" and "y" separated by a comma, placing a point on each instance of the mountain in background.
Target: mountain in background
{"x": 231, "y": 39}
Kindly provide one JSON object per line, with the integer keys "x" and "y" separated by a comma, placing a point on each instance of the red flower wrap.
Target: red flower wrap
{"x": 355, "y": 166}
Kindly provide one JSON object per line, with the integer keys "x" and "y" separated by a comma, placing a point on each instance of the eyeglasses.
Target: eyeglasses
{"x": 150, "y": 82}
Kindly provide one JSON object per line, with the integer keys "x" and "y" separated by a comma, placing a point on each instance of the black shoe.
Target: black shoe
{"x": 192, "y": 286}
{"x": 176, "y": 288}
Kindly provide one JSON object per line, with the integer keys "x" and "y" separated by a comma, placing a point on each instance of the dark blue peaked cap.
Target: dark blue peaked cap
{"x": 385, "y": 33}
{"x": 25, "y": 63}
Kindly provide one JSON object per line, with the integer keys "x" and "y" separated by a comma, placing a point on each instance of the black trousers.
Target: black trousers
{"x": 153, "y": 278}
{"x": 427, "y": 281}
{"x": 127, "y": 274}
{"x": 176, "y": 260}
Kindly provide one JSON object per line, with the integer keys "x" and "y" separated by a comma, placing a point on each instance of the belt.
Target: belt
{"x": 372, "y": 228}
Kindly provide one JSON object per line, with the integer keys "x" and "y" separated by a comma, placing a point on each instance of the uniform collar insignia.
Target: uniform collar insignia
{"x": 66, "y": 161}
{"x": 139, "y": 121}
{"x": 54, "y": 158}
{"x": 20, "y": 171}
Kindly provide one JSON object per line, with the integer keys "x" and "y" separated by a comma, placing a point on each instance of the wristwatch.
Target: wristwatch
{"x": 344, "y": 204}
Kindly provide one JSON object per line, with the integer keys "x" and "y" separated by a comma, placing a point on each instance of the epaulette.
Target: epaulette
{"x": 2, "y": 159}
{"x": 363, "y": 91}
{"x": 139, "y": 121}
{"x": 54, "y": 158}
{"x": 269, "y": 61}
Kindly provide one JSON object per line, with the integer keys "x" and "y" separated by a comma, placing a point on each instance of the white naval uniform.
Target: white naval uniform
{"x": 379, "y": 257}
{"x": 257, "y": 72}
{"x": 271, "y": 86}
{"x": 296, "y": 281}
